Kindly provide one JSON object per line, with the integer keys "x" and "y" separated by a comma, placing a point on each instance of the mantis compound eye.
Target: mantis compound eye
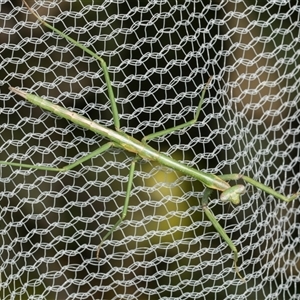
{"x": 233, "y": 194}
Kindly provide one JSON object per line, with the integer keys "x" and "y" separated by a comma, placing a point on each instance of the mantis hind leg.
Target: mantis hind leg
{"x": 94, "y": 55}
{"x": 65, "y": 168}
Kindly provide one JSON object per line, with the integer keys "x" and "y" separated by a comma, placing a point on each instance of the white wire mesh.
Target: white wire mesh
{"x": 159, "y": 54}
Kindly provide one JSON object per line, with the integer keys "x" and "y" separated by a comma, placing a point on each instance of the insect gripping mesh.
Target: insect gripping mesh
{"x": 159, "y": 55}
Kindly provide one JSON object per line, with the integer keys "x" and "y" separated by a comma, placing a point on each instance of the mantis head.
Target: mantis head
{"x": 233, "y": 194}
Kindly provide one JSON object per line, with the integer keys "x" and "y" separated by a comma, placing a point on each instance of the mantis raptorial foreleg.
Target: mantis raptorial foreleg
{"x": 143, "y": 151}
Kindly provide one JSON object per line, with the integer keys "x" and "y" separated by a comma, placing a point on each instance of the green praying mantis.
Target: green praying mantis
{"x": 142, "y": 150}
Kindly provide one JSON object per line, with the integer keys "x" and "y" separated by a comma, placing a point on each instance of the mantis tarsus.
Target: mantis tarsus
{"x": 143, "y": 151}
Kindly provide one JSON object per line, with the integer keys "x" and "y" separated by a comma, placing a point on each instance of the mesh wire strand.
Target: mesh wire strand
{"x": 159, "y": 55}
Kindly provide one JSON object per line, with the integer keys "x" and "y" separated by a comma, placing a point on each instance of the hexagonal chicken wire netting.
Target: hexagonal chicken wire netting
{"x": 159, "y": 54}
